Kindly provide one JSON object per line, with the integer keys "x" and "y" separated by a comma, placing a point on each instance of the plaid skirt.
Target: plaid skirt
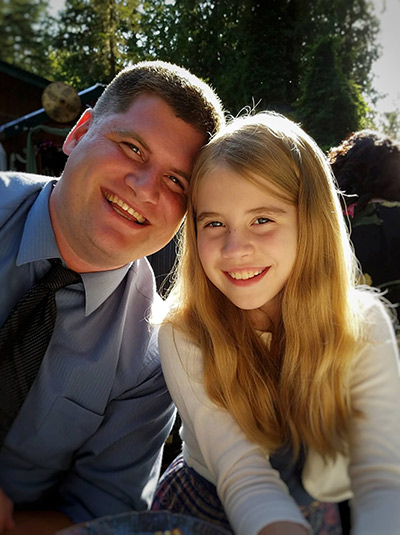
{"x": 182, "y": 490}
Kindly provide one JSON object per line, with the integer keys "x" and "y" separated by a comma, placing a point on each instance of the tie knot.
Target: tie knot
{"x": 59, "y": 277}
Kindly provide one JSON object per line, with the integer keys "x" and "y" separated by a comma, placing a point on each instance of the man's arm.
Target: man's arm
{"x": 117, "y": 469}
{"x": 29, "y": 522}
{"x": 39, "y": 522}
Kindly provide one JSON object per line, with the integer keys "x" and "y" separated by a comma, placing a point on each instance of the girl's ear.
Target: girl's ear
{"x": 79, "y": 130}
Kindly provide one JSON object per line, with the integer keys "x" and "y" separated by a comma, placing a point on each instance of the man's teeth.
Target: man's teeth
{"x": 244, "y": 275}
{"x": 125, "y": 207}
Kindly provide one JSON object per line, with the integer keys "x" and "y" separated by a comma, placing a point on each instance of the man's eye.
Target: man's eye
{"x": 176, "y": 181}
{"x": 132, "y": 147}
{"x": 261, "y": 220}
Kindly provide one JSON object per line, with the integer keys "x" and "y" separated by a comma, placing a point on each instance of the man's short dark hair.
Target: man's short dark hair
{"x": 192, "y": 100}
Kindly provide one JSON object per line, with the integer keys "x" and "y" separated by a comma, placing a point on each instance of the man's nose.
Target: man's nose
{"x": 237, "y": 244}
{"x": 146, "y": 184}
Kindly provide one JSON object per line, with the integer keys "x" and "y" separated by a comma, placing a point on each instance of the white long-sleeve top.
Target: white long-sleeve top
{"x": 251, "y": 491}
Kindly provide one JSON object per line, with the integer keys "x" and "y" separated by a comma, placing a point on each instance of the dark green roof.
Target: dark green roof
{"x": 25, "y": 76}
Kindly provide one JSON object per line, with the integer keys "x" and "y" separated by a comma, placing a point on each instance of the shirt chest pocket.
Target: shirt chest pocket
{"x": 65, "y": 428}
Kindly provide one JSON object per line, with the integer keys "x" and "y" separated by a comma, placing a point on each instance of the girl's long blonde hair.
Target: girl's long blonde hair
{"x": 296, "y": 391}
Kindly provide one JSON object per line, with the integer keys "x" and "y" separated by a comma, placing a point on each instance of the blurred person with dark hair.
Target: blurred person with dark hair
{"x": 367, "y": 168}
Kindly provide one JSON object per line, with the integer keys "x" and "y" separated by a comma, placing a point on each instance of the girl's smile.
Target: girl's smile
{"x": 247, "y": 276}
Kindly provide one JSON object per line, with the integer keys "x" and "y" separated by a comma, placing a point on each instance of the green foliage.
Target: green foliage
{"x": 391, "y": 124}
{"x": 331, "y": 105}
{"x": 24, "y": 36}
{"x": 255, "y": 54}
{"x": 94, "y": 39}
{"x": 243, "y": 47}
{"x": 356, "y": 28}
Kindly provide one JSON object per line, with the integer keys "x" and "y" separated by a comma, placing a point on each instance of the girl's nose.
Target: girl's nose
{"x": 237, "y": 244}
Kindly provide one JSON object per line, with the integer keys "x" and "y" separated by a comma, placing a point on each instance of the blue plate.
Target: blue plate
{"x": 145, "y": 523}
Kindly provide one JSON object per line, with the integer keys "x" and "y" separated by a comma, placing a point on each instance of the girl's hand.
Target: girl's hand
{"x": 283, "y": 528}
{"x": 6, "y": 513}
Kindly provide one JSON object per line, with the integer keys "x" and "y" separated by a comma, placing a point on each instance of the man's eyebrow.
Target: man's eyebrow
{"x": 134, "y": 135}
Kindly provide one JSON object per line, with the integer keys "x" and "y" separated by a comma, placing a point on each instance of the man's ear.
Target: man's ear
{"x": 80, "y": 129}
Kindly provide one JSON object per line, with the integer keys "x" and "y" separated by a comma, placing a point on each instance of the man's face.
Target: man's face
{"x": 123, "y": 192}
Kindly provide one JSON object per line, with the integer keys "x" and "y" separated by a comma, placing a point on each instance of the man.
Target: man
{"x": 88, "y": 439}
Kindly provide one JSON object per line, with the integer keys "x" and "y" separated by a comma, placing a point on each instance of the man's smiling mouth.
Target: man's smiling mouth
{"x": 124, "y": 209}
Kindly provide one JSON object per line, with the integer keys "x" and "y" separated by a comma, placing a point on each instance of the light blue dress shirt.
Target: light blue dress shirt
{"x": 88, "y": 439}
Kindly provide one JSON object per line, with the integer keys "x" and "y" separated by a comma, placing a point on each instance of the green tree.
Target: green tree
{"x": 256, "y": 52}
{"x": 252, "y": 52}
{"x": 223, "y": 43}
{"x": 391, "y": 124}
{"x": 25, "y": 33}
{"x": 331, "y": 105}
{"x": 355, "y": 24}
{"x": 94, "y": 39}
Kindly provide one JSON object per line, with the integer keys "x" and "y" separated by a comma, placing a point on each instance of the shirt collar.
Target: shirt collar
{"x": 39, "y": 243}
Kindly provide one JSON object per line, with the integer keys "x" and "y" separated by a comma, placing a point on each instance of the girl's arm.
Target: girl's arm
{"x": 253, "y": 494}
{"x": 375, "y": 437}
{"x": 6, "y": 513}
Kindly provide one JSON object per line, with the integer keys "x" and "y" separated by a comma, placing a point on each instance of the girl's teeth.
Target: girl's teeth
{"x": 244, "y": 275}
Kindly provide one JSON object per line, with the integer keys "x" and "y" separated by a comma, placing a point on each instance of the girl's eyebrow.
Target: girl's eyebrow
{"x": 207, "y": 215}
{"x": 270, "y": 210}
{"x": 275, "y": 210}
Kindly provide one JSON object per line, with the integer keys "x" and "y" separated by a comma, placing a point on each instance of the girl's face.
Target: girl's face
{"x": 246, "y": 239}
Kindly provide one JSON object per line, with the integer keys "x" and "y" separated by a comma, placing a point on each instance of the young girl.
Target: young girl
{"x": 284, "y": 373}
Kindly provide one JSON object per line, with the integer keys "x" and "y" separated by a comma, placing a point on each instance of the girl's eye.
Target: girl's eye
{"x": 214, "y": 224}
{"x": 261, "y": 220}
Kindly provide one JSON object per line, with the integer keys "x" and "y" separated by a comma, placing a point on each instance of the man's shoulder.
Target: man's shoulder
{"x": 13, "y": 180}
{"x": 141, "y": 279}
{"x": 15, "y": 187}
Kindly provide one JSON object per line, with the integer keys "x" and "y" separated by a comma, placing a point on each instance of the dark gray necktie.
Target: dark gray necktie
{"x": 24, "y": 338}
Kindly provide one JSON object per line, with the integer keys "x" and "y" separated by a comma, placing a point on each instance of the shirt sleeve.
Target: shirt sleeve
{"x": 251, "y": 491}
{"x": 117, "y": 469}
{"x": 375, "y": 437}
